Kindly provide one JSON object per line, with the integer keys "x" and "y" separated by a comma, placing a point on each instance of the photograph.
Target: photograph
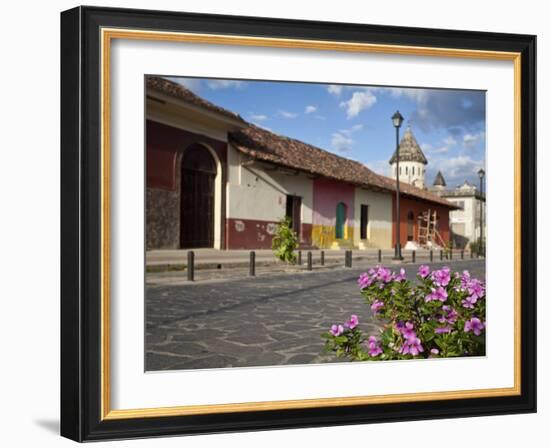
{"x": 291, "y": 223}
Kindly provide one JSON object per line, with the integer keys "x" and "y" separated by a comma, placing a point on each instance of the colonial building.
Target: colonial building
{"x": 214, "y": 180}
{"x": 465, "y": 221}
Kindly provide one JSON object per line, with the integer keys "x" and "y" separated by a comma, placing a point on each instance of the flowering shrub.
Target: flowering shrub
{"x": 442, "y": 314}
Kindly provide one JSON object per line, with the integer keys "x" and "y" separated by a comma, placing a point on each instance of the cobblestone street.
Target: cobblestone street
{"x": 267, "y": 320}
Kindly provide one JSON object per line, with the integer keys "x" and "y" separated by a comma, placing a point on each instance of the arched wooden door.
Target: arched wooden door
{"x": 340, "y": 220}
{"x": 198, "y": 175}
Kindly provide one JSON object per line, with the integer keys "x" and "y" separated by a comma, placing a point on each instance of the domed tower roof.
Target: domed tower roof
{"x": 409, "y": 150}
{"x": 439, "y": 180}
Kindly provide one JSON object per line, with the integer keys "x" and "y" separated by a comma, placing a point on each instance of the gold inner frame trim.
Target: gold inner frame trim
{"x": 107, "y": 35}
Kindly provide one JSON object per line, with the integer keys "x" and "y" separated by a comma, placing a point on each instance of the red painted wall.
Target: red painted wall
{"x": 164, "y": 144}
{"x": 417, "y": 206}
{"x": 256, "y": 234}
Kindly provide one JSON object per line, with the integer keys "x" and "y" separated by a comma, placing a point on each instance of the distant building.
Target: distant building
{"x": 217, "y": 181}
{"x": 464, "y": 222}
{"x": 412, "y": 161}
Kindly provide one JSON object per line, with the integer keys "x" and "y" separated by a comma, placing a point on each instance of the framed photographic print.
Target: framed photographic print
{"x": 272, "y": 223}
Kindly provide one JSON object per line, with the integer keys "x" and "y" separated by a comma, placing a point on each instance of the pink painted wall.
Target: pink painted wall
{"x": 326, "y": 195}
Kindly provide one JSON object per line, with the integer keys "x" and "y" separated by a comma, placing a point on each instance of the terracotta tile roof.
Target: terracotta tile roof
{"x": 264, "y": 145}
{"x": 176, "y": 90}
{"x": 267, "y": 146}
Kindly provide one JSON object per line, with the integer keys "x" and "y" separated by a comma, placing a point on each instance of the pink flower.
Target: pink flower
{"x": 412, "y": 346}
{"x": 402, "y": 276}
{"x": 374, "y": 347}
{"x": 376, "y": 306}
{"x": 450, "y": 315}
{"x": 476, "y": 290}
{"x": 442, "y": 277}
{"x": 441, "y": 330}
{"x": 469, "y": 302}
{"x": 336, "y": 330}
{"x": 352, "y": 322}
{"x": 437, "y": 294}
{"x": 384, "y": 274}
{"x": 364, "y": 280}
{"x": 434, "y": 351}
{"x": 423, "y": 271}
{"x": 475, "y": 325}
{"x": 407, "y": 330}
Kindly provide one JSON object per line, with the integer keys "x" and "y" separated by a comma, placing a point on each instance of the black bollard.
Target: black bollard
{"x": 309, "y": 261}
{"x": 462, "y": 254}
{"x": 191, "y": 266}
{"x": 451, "y": 253}
{"x": 252, "y": 266}
{"x": 299, "y": 258}
{"x": 350, "y": 259}
{"x": 322, "y": 258}
{"x": 441, "y": 255}
{"x": 379, "y": 255}
{"x": 431, "y": 256}
{"x": 414, "y": 256}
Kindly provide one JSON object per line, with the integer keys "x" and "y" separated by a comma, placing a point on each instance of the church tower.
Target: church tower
{"x": 412, "y": 161}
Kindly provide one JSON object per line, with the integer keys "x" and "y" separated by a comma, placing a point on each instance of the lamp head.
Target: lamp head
{"x": 397, "y": 119}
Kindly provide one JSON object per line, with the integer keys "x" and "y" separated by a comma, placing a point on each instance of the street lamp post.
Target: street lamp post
{"x": 397, "y": 120}
{"x": 481, "y": 174}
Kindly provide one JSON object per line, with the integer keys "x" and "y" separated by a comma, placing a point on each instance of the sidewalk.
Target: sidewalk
{"x": 214, "y": 258}
{"x": 165, "y": 267}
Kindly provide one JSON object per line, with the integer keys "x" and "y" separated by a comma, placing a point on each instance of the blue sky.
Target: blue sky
{"x": 355, "y": 121}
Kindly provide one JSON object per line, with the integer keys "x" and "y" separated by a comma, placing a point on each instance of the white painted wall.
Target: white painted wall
{"x": 469, "y": 216}
{"x": 413, "y": 173}
{"x": 380, "y": 215}
{"x": 255, "y": 192}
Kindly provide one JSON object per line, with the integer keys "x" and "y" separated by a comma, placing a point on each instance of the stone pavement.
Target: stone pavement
{"x": 261, "y": 321}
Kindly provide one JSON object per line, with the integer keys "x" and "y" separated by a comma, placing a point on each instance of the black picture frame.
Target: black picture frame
{"x": 81, "y": 224}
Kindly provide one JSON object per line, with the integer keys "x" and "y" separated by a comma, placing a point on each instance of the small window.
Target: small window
{"x": 413, "y": 170}
{"x": 406, "y": 170}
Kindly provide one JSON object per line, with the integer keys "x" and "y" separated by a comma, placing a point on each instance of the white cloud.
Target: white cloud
{"x": 420, "y": 96}
{"x": 470, "y": 140}
{"x": 335, "y": 90}
{"x": 341, "y": 143}
{"x": 258, "y": 117}
{"x": 431, "y": 150}
{"x": 456, "y": 169}
{"x": 379, "y": 166}
{"x": 359, "y": 101}
{"x": 216, "y": 84}
{"x": 354, "y": 128}
{"x": 287, "y": 114}
{"x": 310, "y": 109}
{"x": 450, "y": 141}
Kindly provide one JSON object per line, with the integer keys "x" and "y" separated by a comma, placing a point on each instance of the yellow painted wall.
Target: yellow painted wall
{"x": 324, "y": 237}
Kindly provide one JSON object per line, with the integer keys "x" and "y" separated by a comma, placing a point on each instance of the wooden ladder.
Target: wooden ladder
{"x": 427, "y": 230}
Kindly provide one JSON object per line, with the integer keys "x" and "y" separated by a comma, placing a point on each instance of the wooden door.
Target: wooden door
{"x": 294, "y": 212}
{"x": 340, "y": 221}
{"x": 198, "y": 177}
